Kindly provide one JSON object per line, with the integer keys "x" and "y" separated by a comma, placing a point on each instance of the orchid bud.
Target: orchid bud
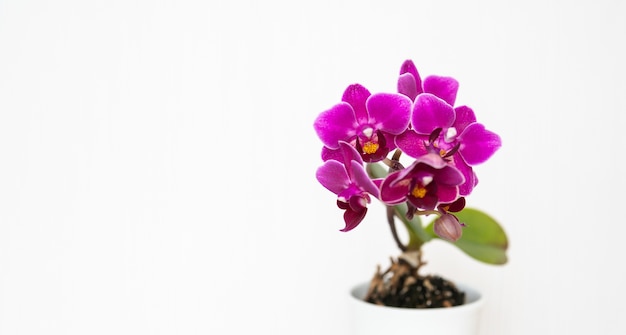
{"x": 448, "y": 227}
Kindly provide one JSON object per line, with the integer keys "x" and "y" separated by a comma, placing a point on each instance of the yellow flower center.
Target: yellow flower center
{"x": 370, "y": 148}
{"x": 442, "y": 152}
{"x": 419, "y": 191}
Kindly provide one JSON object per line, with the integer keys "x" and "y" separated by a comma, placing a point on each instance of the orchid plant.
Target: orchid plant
{"x": 414, "y": 151}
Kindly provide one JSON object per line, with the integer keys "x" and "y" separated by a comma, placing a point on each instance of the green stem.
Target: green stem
{"x": 414, "y": 227}
{"x": 415, "y": 230}
{"x": 391, "y": 219}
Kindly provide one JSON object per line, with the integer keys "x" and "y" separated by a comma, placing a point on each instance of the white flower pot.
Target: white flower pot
{"x": 372, "y": 319}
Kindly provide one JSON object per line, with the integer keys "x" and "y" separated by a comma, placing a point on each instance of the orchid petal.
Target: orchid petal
{"x": 353, "y": 218}
{"x": 447, "y": 193}
{"x": 431, "y": 159}
{"x": 328, "y": 154}
{"x": 336, "y": 124}
{"x": 450, "y": 175}
{"x": 455, "y": 206}
{"x": 333, "y": 176}
{"x": 349, "y": 153}
{"x": 478, "y": 144}
{"x": 428, "y": 202}
{"x": 356, "y": 95}
{"x": 464, "y": 117}
{"x": 390, "y": 112}
{"x": 361, "y": 179}
{"x": 407, "y": 85}
{"x": 412, "y": 143}
{"x": 443, "y": 87}
{"x": 468, "y": 174}
{"x": 409, "y": 67}
{"x": 390, "y": 141}
{"x": 430, "y": 113}
{"x": 393, "y": 191}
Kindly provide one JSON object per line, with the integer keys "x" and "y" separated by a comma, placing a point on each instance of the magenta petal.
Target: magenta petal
{"x": 336, "y": 124}
{"x": 390, "y": 141}
{"x": 478, "y": 144}
{"x": 360, "y": 177}
{"x": 353, "y": 218}
{"x": 349, "y": 153}
{"x": 470, "y": 182}
{"x": 443, "y": 87}
{"x": 429, "y": 202}
{"x": 450, "y": 175}
{"x": 389, "y": 112}
{"x": 464, "y": 117}
{"x": 392, "y": 191}
{"x": 412, "y": 143}
{"x": 434, "y": 161}
{"x": 378, "y": 182}
{"x": 333, "y": 176}
{"x": 430, "y": 113}
{"x": 407, "y": 85}
{"x": 409, "y": 67}
{"x": 328, "y": 154}
{"x": 447, "y": 194}
{"x": 356, "y": 95}
{"x": 468, "y": 174}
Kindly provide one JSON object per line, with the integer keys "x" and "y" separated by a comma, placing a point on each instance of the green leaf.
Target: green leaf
{"x": 483, "y": 238}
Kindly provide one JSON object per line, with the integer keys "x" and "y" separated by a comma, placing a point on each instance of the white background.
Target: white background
{"x": 157, "y": 161}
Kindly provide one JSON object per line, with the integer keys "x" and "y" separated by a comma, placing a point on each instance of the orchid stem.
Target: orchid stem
{"x": 394, "y": 162}
{"x": 392, "y": 225}
{"x": 396, "y": 155}
{"x": 418, "y": 212}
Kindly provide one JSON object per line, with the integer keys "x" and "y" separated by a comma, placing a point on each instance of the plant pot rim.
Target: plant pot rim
{"x": 473, "y": 300}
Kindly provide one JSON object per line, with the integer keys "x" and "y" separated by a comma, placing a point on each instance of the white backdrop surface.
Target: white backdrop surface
{"x": 157, "y": 161}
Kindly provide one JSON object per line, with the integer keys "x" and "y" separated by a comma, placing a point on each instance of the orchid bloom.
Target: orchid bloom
{"x": 368, "y": 122}
{"x": 426, "y": 183}
{"x": 458, "y": 136}
{"x": 350, "y": 182}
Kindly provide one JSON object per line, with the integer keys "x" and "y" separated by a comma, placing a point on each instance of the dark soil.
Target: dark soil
{"x": 401, "y": 286}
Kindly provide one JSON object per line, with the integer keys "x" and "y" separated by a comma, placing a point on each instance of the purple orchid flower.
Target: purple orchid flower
{"x": 350, "y": 182}
{"x": 429, "y": 181}
{"x": 368, "y": 122}
{"x": 457, "y": 136}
